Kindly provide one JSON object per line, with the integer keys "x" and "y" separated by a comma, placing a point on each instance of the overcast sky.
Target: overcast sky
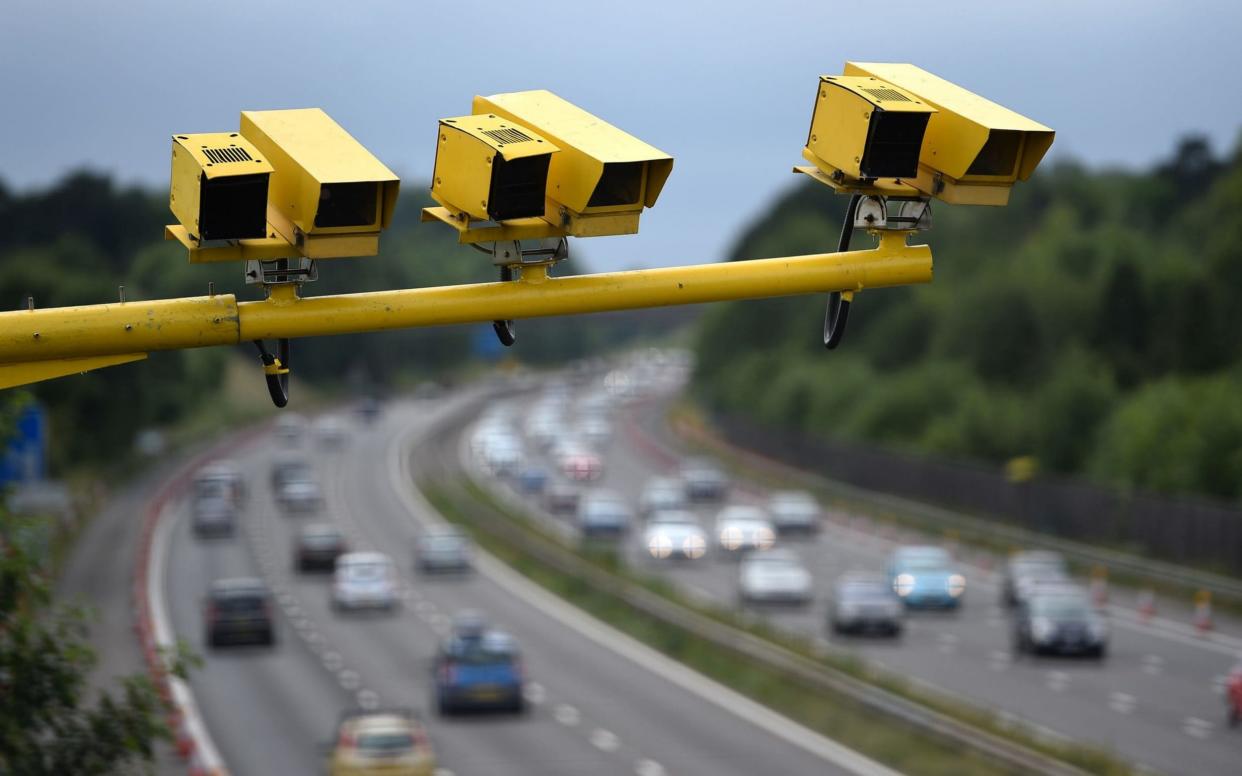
{"x": 725, "y": 87}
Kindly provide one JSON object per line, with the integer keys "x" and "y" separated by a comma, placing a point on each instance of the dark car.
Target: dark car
{"x": 444, "y": 549}
{"x": 214, "y": 516}
{"x": 865, "y": 603}
{"x": 603, "y": 515}
{"x": 239, "y": 611}
{"x": 560, "y": 498}
{"x": 1060, "y": 623}
{"x": 286, "y": 469}
{"x": 479, "y": 670}
{"x": 317, "y": 547}
{"x": 704, "y": 481}
{"x": 1025, "y": 570}
{"x": 532, "y": 479}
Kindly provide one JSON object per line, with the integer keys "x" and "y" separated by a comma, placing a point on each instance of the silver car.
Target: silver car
{"x": 603, "y": 514}
{"x": 865, "y": 603}
{"x": 742, "y": 529}
{"x": 364, "y": 580}
{"x": 443, "y": 549}
{"x": 674, "y": 535}
{"x": 662, "y": 493}
{"x": 774, "y": 576}
{"x": 794, "y": 511}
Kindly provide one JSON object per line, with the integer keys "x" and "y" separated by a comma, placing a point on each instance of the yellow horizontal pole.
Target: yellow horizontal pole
{"x": 173, "y": 324}
{"x": 536, "y": 295}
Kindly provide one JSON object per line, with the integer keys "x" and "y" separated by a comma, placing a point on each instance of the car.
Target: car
{"x": 502, "y": 454}
{"x": 661, "y": 493}
{"x": 368, "y": 410}
{"x": 560, "y": 498}
{"x": 318, "y": 546}
{"x": 773, "y": 576}
{"x": 239, "y": 611}
{"x": 331, "y": 433}
{"x": 582, "y": 466}
{"x": 443, "y": 549}
{"x": 674, "y": 534}
{"x": 213, "y": 516}
{"x": 290, "y": 468}
{"x": 364, "y": 580}
{"x": 741, "y": 528}
{"x": 925, "y": 577}
{"x": 1026, "y": 569}
{"x": 704, "y": 480}
{"x": 223, "y": 479}
{"x": 794, "y": 512}
{"x": 381, "y": 741}
{"x": 299, "y": 496}
{"x": 864, "y": 603}
{"x": 289, "y": 428}
{"x": 1233, "y": 696}
{"x": 1060, "y": 623}
{"x": 603, "y": 514}
{"x": 479, "y": 669}
{"x": 532, "y": 479}
{"x": 595, "y": 429}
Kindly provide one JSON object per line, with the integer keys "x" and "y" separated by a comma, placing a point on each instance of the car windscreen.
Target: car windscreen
{"x": 365, "y": 572}
{"x": 385, "y": 743}
{"x": 238, "y": 603}
{"x": 442, "y": 543}
{"x": 321, "y": 541}
{"x": 481, "y": 651}
{"x": 1061, "y": 608}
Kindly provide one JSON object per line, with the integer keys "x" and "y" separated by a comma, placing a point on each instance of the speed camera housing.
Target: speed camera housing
{"x": 602, "y": 177}
{"x": 329, "y": 196}
{"x": 219, "y": 187}
{"x": 491, "y": 169}
{"x": 974, "y": 150}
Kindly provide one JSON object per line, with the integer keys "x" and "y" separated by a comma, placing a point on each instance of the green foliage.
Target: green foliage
{"x": 49, "y": 723}
{"x": 1092, "y": 323}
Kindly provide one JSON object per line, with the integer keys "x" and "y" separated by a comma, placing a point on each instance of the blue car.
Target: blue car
{"x": 925, "y": 577}
{"x": 532, "y": 479}
{"x": 479, "y": 670}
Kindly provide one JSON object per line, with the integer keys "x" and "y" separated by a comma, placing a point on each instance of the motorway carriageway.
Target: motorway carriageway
{"x": 593, "y": 709}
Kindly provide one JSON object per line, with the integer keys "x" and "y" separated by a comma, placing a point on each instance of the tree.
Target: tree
{"x": 48, "y": 724}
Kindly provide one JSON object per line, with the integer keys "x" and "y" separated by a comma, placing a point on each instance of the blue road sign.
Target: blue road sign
{"x": 25, "y": 452}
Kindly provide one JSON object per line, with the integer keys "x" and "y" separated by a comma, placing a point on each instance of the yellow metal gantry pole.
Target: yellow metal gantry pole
{"x": 39, "y": 344}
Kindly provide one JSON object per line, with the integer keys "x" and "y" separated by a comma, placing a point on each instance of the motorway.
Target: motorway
{"x": 1156, "y": 700}
{"x": 594, "y": 710}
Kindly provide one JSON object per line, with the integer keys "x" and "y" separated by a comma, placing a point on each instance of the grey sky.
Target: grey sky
{"x": 725, "y": 87}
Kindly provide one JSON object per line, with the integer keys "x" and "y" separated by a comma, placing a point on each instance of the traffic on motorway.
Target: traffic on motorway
{"x": 346, "y": 629}
{"x": 1025, "y": 639}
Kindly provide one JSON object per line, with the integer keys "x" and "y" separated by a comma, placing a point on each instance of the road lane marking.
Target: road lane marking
{"x": 648, "y": 768}
{"x": 535, "y": 693}
{"x": 604, "y": 740}
{"x": 566, "y": 715}
{"x": 333, "y": 661}
{"x": 368, "y": 699}
{"x": 1122, "y": 703}
{"x": 1056, "y": 680}
{"x": 350, "y": 680}
{"x": 1153, "y": 664}
{"x": 1197, "y": 728}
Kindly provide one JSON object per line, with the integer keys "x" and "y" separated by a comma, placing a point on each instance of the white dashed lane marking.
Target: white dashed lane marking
{"x": 1122, "y": 703}
{"x": 535, "y": 693}
{"x": 648, "y": 768}
{"x": 566, "y": 715}
{"x": 368, "y": 699}
{"x": 1153, "y": 664}
{"x": 604, "y": 740}
{"x": 333, "y": 661}
{"x": 1056, "y": 680}
{"x": 1197, "y": 728}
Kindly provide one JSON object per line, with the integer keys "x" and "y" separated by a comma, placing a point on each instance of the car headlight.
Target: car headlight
{"x": 764, "y": 538}
{"x": 903, "y": 584}
{"x": 955, "y": 585}
{"x": 660, "y": 546}
{"x": 693, "y": 546}
{"x": 1042, "y": 629}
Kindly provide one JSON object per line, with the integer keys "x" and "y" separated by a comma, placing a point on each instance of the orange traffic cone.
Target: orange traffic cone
{"x": 1146, "y": 605}
{"x": 1099, "y": 586}
{"x": 1203, "y": 611}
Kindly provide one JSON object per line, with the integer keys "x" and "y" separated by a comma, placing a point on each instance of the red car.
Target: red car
{"x": 1233, "y": 695}
{"x": 582, "y": 467}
